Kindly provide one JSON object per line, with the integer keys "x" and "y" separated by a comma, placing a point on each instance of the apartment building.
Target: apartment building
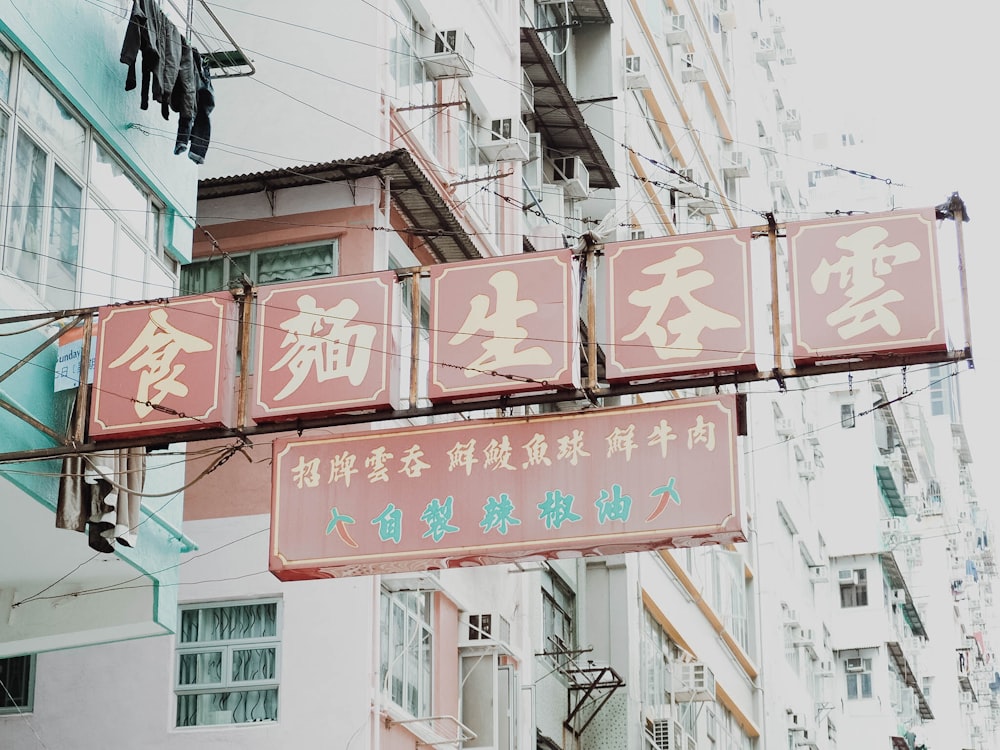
{"x": 405, "y": 134}
{"x": 94, "y": 210}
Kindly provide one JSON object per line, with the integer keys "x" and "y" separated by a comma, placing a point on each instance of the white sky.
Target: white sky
{"x": 919, "y": 79}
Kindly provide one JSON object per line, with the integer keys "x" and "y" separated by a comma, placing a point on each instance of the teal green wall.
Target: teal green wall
{"x": 77, "y": 44}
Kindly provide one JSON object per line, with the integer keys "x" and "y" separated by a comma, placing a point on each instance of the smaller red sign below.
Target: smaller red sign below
{"x": 865, "y": 286}
{"x": 164, "y": 367}
{"x": 503, "y": 325}
{"x": 495, "y": 491}
{"x": 679, "y": 305}
{"x": 326, "y": 346}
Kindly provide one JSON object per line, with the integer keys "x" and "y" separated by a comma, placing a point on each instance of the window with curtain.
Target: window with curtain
{"x": 17, "y": 684}
{"x": 58, "y": 212}
{"x": 268, "y": 266}
{"x": 227, "y": 664}
{"x": 406, "y": 639}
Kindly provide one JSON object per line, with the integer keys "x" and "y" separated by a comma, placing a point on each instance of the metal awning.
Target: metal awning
{"x": 903, "y": 667}
{"x": 423, "y": 207}
{"x": 589, "y": 11}
{"x": 558, "y": 116}
{"x": 891, "y": 493}
{"x": 896, "y": 581}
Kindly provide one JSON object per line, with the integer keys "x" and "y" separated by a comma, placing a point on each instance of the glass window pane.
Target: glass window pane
{"x": 16, "y": 677}
{"x": 98, "y": 259}
{"x": 251, "y": 664}
{"x": 130, "y": 268}
{"x": 203, "y": 276}
{"x": 203, "y": 668}
{"x": 5, "y": 63}
{"x": 119, "y": 189}
{"x": 52, "y": 120}
{"x": 64, "y": 240}
{"x": 27, "y": 199}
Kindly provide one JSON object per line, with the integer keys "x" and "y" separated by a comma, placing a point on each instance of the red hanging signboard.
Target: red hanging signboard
{"x": 164, "y": 367}
{"x": 494, "y": 491}
{"x": 679, "y": 305}
{"x": 326, "y": 346}
{"x": 865, "y": 286}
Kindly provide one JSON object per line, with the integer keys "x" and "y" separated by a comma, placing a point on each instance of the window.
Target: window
{"x": 558, "y": 613}
{"x": 17, "y": 684}
{"x": 854, "y": 592}
{"x": 859, "y": 678}
{"x": 227, "y": 664}
{"x": 270, "y": 266}
{"x": 658, "y": 652}
{"x": 847, "y": 418}
{"x": 406, "y": 650}
{"x": 61, "y": 211}
{"x": 412, "y": 90}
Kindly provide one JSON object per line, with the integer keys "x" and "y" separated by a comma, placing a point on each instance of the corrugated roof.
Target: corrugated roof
{"x": 558, "y": 116}
{"x": 411, "y": 191}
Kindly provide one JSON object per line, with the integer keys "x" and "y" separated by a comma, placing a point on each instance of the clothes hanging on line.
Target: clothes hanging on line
{"x": 173, "y": 73}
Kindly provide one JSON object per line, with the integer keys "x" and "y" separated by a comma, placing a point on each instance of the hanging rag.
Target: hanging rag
{"x": 101, "y": 494}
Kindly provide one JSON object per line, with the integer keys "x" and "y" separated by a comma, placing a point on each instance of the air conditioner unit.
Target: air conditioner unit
{"x": 819, "y": 573}
{"x": 552, "y": 203}
{"x": 677, "y": 33}
{"x": 665, "y": 734}
{"x": 791, "y": 617}
{"x": 453, "y": 56}
{"x": 570, "y": 172}
{"x": 854, "y": 664}
{"x": 695, "y": 682}
{"x": 691, "y": 69}
{"x": 825, "y": 668}
{"x": 807, "y": 470}
{"x": 737, "y": 165}
{"x": 778, "y": 178}
{"x": 899, "y": 596}
{"x": 686, "y": 174}
{"x": 765, "y": 52}
{"x": 784, "y": 427}
{"x": 795, "y": 721}
{"x": 847, "y": 578}
{"x": 787, "y": 56}
{"x": 635, "y": 76}
{"x": 486, "y": 628}
{"x": 790, "y": 123}
{"x": 507, "y": 140}
{"x": 892, "y": 523}
{"x": 805, "y": 637}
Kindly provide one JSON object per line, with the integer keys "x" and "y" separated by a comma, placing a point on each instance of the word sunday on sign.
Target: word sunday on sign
{"x": 499, "y": 490}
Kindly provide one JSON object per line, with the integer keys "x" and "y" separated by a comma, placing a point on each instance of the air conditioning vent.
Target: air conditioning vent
{"x": 695, "y": 682}
{"x": 854, "y": 664}
{"x": 847, "y": 578}
{"x": 691, "y": 69}
{"x": 453, "y": 56}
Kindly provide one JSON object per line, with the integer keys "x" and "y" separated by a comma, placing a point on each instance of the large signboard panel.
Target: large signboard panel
{"x": 679, "y": 305}
{"x": 494, "y": 491}
{"x": 503, "y": 325}
{"x": 325, "y": 346}
{"x": 165, "y": 367}
{"x": 865, "y": 286}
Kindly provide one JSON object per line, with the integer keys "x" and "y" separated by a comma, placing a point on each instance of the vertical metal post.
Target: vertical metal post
{"x": 414, "y": 337}
{"x": 772, "y": 236}
{"x": 959, "y": 211}
{"x": 591, "y": 292}
{"x": 82, "y": 391}
{"x": 246, "y": 316}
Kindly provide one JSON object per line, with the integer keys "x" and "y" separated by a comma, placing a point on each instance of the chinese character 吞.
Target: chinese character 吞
{"x": 675, "y": 285}
{"x": 413, "y": 463}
